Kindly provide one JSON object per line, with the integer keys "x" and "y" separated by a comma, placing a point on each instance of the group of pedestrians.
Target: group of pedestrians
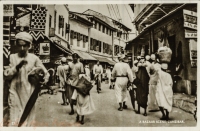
{"x": 69, "y": 74}
{"x": 147, "y": 82}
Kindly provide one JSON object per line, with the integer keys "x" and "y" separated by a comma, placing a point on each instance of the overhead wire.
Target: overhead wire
{"x": 114, "y": 11}
{"x": 128, "y": 13}
{"x": 118, "y": 12}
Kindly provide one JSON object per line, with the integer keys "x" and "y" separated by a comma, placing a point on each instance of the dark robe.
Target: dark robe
{"x": 142, "y": 84}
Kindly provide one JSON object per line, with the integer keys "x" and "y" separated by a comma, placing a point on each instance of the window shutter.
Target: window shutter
{"x": 78, "y": 36}
{"x": 75, "y": 35}
{"x": 91, "y": 44}
{"x": 67, "y": 28}
{"x": 71, "y": 34}
{"x": 81, "y": 36}
{"x": 86, "y": 38}
{"x": 61, "y": 19}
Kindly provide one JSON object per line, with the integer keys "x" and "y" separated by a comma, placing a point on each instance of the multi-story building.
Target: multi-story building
{"x": 104, "y": 37}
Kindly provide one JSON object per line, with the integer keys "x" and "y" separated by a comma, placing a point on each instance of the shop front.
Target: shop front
{"x": 177, "y": 30}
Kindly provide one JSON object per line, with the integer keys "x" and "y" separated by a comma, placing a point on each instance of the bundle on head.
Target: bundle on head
{"x": 164, "y": 54}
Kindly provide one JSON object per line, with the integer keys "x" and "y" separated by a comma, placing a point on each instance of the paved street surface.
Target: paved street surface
{"x": 51, "y": 113}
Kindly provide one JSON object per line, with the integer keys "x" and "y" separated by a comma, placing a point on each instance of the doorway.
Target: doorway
{"x": 172, "y": 46}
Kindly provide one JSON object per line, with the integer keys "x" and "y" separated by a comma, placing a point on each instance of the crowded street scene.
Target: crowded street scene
{"x": 105, "y": 65}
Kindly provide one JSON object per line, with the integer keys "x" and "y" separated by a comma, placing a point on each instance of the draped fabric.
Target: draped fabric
{"x": 85, "y": 104}
{"x": 142, "y": 85}
{"x": 20, "y": 89}
{"x": 164, "y": 93}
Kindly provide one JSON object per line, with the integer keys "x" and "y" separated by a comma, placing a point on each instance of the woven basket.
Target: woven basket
{"x": 165, "y": 57}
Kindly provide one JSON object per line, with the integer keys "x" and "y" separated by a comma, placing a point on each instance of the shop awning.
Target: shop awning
{"x": 59, "y": 46}
{"x": 62, "y": 48}
{"x": 145, "y": 30}
{"x": 84, "y": 55}
{"x": 104, "y": 59}
{"x": 110, "y": 59}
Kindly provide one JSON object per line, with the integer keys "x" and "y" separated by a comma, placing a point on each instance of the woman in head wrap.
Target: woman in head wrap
{"x": 21, "y": 64}
{"x": 142, "y": 85}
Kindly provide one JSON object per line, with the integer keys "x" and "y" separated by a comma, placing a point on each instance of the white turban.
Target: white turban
{"x": 24, "y": 36}
{"x": 63, "y": 59}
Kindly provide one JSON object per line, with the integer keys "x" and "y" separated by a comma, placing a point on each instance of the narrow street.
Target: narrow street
{"x": 51, "y": 113}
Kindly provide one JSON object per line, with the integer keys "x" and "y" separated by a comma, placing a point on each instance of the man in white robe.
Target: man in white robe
{"x": 21, "y": 64}
{"x": 97, "y": 71}
{"x": 163, "y": 91}
{"x": 123, "y": 75}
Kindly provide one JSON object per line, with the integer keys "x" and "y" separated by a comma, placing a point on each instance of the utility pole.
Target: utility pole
{"x": 89, "y": 31}
{"x": 113, "y": 46}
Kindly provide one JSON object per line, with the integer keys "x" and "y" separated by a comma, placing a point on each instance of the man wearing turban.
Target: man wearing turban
{"x": 21, "y": 64}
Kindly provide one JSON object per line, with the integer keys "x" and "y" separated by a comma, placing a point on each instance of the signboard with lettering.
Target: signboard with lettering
{"x": 44, "y": 52}
{"x": 193, "y": 52}
{"x": 44, "y": 49}
{"x": 190, "y": 35}
{"x": 190, "y": 25}
{"x": 190, "y": 19}
{"x": 8, "y": 10}
{"x": 188, "y": 12}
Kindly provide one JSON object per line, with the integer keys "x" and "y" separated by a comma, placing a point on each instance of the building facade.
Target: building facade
{"x": 175, "y": 24}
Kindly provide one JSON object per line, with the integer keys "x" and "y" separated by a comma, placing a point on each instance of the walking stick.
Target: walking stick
{"x": 35, "y": 80}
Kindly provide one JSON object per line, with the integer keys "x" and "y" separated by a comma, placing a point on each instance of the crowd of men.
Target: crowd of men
{"x": 146, "y": 81}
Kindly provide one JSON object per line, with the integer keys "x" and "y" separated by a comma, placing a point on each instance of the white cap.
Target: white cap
{"x": 69, "y": 57}
{"x": 164, "y": 66}
{"x": 63, "y": 59}
{"x": 24, "y": 36}
{"x": 153, "y": 56}
{"x": 147, "y": 57}
{"x": 135, "y": 61}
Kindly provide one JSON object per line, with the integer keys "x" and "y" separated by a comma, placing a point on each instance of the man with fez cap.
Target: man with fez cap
{"x": 21, "y": 64}
{"x": 62, "y": 73}
{"x": 76, "y": 69}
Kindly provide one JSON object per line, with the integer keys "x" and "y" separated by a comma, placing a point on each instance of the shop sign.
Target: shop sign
{"x": 188, "y": 12}
{"x": 190, "y": 25}
{"x": 193, "y": 52}
{"x": 190, "y": 19}
{"x": 44, "y": 49}
{"x": 58, "y": 62}
{"x": 8, "y": 10}
{"x": 45, "y": 60}
{"x": 193, "y": 63}
{"x": 190, "y": 35}
{"x": 44, "y": 52}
